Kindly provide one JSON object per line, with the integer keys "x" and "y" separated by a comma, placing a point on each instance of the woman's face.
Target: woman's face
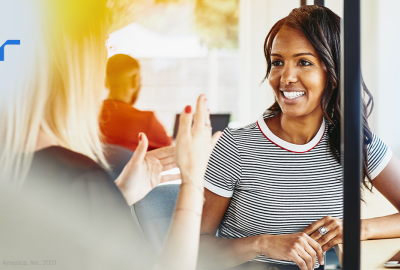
{"x": 298, "y": 76}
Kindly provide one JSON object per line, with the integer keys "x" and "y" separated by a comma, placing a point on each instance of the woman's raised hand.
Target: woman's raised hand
{"x": 143, "y": 171}
{"x": 195, "y": 143}
{"x": 191, "y": 153}
{"x": 297, "y": 247}
{"x": 334, "y": 233}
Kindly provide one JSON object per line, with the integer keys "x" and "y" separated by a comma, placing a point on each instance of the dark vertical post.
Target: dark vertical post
{"x": 303, "y": 2}
{"x": 351, "y": 132}
{"x": 319, "y": 2}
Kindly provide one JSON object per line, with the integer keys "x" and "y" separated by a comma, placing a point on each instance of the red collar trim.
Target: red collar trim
{"x": 288, "y": 149}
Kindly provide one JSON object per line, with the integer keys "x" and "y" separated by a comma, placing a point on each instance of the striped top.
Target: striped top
{"x": 277, "y": 187}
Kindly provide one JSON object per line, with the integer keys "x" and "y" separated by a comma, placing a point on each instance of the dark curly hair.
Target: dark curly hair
{"x": 321, "y": 26}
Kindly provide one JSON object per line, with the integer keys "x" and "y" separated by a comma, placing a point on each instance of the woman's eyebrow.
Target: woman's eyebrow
{"x": 294, "y": 55}
{"x": 300, "y": 54}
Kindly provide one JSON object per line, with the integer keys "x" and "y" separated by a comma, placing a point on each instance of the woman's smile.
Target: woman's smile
{"x": 292, "y": 96}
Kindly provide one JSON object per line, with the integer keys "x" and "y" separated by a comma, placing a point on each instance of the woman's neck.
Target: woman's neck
{"x": 44, "y": 140}
{"x": 296, "y": 130}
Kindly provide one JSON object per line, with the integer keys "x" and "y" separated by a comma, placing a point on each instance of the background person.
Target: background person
{"x": 50, "y": 149}
{"x": 272, "y": 184}
{"x": 120, "y": 122}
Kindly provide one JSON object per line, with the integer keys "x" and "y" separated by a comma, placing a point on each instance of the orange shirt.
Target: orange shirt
{"x": 120, "y": 124}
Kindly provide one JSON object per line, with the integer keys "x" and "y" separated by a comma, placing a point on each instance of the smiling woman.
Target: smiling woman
{"x": 274, "y": 189}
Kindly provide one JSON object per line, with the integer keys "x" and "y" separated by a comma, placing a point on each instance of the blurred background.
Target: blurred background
{"x": 189, "y": 47}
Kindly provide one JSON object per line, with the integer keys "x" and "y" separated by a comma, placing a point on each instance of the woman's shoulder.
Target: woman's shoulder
{"x": 61, "y": 156}
{"x": 57, "y": 169}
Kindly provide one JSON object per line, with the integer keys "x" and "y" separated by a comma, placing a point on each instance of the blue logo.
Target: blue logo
{"x": 8, "y": 42}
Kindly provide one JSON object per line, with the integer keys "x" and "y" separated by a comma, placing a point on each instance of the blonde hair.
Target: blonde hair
{"x": 55, "y": 81}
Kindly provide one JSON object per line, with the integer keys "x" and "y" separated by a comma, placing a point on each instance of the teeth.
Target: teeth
{"x": 292, "y": 95}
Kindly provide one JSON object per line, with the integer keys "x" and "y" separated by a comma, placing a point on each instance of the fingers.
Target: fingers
{"x": 312, "y": 253}
{"x": 334, "y": 227}
{"x": 163, "y": 152}
{"x": 333, "y": 242}
{"x": 185, "y": 123}
{"x": 304, "y": 260}
{"x": 167, "y": 160}
{"x": 316, "y": 235}
{"x": 141, "y": 150}
{"x": 325, "y": 239}
{"x": 215, "y": 138}
{"x": 169, "y": 167}
{"x": 317, "y": 249}
{"x": 314, "y": 226}
{"x": 200, "y": 114}
{"x": 170, "y": 177}
{"x": 332, "y": 238}
{"x": 208, "y": 120}
{"x": 306, "y": 251}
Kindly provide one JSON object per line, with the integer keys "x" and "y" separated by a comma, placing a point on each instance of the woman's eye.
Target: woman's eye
{"x": 305, "y": 63}
{"x": 277, "y": 63}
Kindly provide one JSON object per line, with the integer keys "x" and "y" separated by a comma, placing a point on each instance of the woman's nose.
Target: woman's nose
{"x": 288, "y": 75}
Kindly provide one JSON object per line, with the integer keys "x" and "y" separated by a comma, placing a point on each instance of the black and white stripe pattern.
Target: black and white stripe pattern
{"x": 277, "y": 187}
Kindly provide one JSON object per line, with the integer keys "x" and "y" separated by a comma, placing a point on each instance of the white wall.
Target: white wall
{"x": 256, "y": 19}
{"x": 385, "y": 61}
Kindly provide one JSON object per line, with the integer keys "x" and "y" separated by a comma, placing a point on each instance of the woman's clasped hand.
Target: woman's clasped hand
{"x": 299, "y": 248}
{"x": 333, "y": 235}
{"x": 305, "y": 247}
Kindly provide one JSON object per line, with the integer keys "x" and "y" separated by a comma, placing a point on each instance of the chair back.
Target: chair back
{"x": 154, "y": 213}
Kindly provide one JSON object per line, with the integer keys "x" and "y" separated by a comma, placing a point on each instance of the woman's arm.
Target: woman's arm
{"x": 222, "y": 253}
{"x": 193, "y": 149}
{"x": 388, "y": 184}
{"x": 218, "y": 252}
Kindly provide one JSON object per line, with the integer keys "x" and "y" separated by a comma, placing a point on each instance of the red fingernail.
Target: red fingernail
{"x": 188, "y": 109}
{"x": 208, "y": 110}
{"x": 221, "y": 135}
{"x": 140, "y": 137}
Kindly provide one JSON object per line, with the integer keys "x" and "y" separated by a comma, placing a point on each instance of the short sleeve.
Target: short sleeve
{"x": 224, "y": 167}
{"x": 379, "y": 155}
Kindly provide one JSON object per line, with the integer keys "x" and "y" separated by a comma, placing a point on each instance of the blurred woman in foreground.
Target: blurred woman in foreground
{"x": 49, "y": 145}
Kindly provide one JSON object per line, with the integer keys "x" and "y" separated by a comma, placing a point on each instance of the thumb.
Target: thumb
{"x": 141, "y": 150}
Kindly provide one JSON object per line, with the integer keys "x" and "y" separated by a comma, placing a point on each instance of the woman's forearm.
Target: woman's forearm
{"x": 181, "y": 246}
{"x": 222, "y": 253}
{"x": 381, "y": 227}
